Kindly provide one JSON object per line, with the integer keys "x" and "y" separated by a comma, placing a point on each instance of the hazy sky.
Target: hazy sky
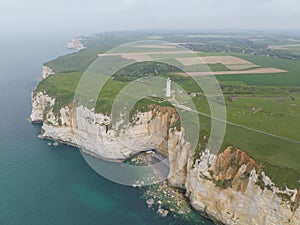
{"x": 110, "y": 15}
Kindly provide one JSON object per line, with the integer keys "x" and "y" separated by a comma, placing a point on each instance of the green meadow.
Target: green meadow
{"x": 291, "y": 78}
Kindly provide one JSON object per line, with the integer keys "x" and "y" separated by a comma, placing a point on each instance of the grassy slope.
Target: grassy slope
{"x": 73, "y": 62}
{"x": 62, "y": 86}
{"x": 218, "y": 67}
{"x": 81, "y": 60}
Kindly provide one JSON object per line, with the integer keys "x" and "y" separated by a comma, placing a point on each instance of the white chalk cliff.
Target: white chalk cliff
{"x": 76, "y": 44}
{"x": 46, "y": 71}
{"x": 226, "y": 187}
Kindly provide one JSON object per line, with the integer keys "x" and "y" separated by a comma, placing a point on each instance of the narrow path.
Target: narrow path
{"x": 237, "y": 125}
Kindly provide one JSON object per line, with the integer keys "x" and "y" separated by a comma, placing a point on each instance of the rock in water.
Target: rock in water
{"x": 150, "y": 202}
{"x": 162, "y": 212}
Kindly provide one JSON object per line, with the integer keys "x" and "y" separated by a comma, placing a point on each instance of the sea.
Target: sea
{"x": 43, "y": 184}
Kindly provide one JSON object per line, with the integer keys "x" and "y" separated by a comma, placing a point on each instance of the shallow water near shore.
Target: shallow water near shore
{"x": 46, "y": 184}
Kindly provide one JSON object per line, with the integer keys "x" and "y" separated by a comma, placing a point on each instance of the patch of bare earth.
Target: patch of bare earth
{"x": 283, "y": 47}
{"x": 156, "y": 46}
{"x": 268, "y": 70}
{"x": 143, "y": 56}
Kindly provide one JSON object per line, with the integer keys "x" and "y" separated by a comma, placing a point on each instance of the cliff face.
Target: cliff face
{"x": 75, "y": 44}
{"x": 228, "y": 187}
{"x": 151, "y": 130}
{"x": 47, "y": 71}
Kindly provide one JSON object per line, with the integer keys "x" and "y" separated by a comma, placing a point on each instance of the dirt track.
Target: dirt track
{"x": 267, "y": 70}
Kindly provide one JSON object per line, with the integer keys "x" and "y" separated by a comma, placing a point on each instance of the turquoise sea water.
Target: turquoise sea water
{"x": 42, "y": 184}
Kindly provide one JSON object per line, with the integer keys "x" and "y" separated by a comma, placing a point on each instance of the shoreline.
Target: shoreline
{"x": 179, "y": 190}
{"x": 208, "y": 199}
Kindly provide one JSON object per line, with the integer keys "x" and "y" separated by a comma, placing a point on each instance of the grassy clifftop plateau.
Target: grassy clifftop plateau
{"x": 266, "y": 102}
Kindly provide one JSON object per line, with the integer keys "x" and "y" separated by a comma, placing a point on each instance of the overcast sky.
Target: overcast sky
{"x": 111, "y": 15}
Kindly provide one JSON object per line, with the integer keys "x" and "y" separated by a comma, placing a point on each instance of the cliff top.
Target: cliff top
{"x": 253, "y": 101}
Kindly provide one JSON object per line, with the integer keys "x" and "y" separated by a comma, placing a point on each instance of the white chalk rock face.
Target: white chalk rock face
{"x": 40, "y": 101}
{"x": 46, "y": 71}
{"x": 92, "y": 132}
{"x": 76, "y": 44}
{"x": 229, "y": 194}
{"x": 244, "y": 202}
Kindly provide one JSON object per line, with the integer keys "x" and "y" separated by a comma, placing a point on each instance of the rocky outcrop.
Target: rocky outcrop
{"x": 75, "y": 44}
{"x": 47, "y": 71}
{"x": 40, "y": 103}
{"x": 229, "y": 187}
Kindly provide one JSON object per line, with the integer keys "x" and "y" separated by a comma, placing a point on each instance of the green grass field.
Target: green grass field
{"x": 291, "y": 78}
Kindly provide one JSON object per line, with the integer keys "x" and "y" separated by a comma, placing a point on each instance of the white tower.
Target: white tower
{"x": 168, "y": 88}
